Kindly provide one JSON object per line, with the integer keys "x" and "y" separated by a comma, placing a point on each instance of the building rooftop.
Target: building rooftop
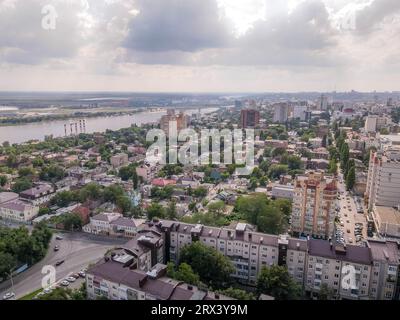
{"x": 355, "y": 254}
{"x": 388, "y": 215}
{"x": 7, "y": 196}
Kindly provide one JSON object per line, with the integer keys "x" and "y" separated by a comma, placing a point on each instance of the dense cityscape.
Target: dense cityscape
{"x": 320, "y": 203}
{"x": 215, "y": 158}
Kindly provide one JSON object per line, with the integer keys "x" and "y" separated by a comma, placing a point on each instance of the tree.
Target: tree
{"x": 124, "y": 203}
{"x": 184, "y": 273}
{"x": 237, "y": 294}
{"x": 3, "y": 180}
{"x": 52, "y": 173}
{"x": 135, "y": 180}
{"x": 171, "y": 211}
{"x": 277, "y": 282}
{"x": 217, "y": 207}
{"x": 294, "y": 163}
{"x": 7, "y": 263}
{"x": 325, "y": 293}
{"x": 155, "y": 210}
{"x": 276, "y": 170}
{"x": 200, "y": 192}
{"x": 212, "y": 266}
{"x": 351, "y": 178}
{"x": 72, "y": 221}
{"x": 21, "y": 184}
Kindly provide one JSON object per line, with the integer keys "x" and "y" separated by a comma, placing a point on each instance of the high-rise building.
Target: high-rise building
{"x": 281, "y": 112}
{"x": 181, "y": 119}
{"x": 322, "y": 103}
{"x": 375, "y": 123}
{"x": 300, "y": 112}
{"x": 314, "y": 205}
{"x": 383, "y": 182}
{"x": 249, "y": 118}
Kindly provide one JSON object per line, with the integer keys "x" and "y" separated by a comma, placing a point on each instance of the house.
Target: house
{"x": 83, "y": 212}
{"x": 123, "y": 227}
{"x": 18, "y": 210}
{"x": 39, "y": 194}
{"x": 101, "y": 223}
{"x": 119, "y": 160}
{"x": 162, "y": 182}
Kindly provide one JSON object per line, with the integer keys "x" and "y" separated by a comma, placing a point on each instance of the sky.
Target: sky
{"x": 199, "y": 45}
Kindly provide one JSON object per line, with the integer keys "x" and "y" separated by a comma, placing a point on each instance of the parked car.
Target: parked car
{"x": 59, "y": 237}
{"x": 56, "y": 248}
{"x": 70, "y": 279}
{"x": 82, "y": 274}
{"x": 9, "y": 296}
{"x": 65, "y": 283}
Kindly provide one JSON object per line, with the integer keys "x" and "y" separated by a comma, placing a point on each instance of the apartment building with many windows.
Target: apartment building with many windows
{"x": 314, "y": 205}
{"x": 383, "y": 182}
{"x": 351, "y": 272}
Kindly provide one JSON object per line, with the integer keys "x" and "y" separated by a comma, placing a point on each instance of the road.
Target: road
{"x": 77, "y": 249}
{"x": 348, "y": 213}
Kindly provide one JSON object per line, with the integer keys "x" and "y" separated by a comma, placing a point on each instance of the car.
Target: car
{"x": 70, "y": 279}
{"x": 59, "y": 238}
{"x": 56, "y": 248}
{"x": 348, "y": 231}
{"x": 348, "y": 221}
{"x": 59, "y": 262}
{"x": 9, "y": 295}
{"x": 75, "y": 275}
{"x": 82, "y": 274}
{"x": 47, "y": 290}
{"x": 65, "y": 283}
{"x": 350, "y": 240}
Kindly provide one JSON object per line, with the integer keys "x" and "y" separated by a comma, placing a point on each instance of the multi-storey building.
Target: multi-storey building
{"x": 249, "y": 118}
{"x": 314, "y": 206}
{"x": 18, "y": 210}
{"x": 281, "y": 112}
{"x": 39, "y": 194}
{"x": 343, "y": 269}
{"x": 114, "y": 278}
{"x": 383, "y": 182}
{"x": 385, "y": 269}
{"x": 249, "y": 251}
{"x": 181, "y": 120}
{"x": 350, "y": 272}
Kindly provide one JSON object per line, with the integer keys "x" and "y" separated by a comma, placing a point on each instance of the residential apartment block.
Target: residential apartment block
{"x": 351, "y": 272}
{"x": 383, "y": 182}
{"x": 314, "y": 205}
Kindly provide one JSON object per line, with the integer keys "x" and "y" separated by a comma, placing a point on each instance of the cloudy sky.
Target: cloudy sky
{"x": 201, "y": 45}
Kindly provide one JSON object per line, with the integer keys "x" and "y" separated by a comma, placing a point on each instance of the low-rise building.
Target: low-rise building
{"x": 119, "y": 160}
{"x": 18, "y": 210}
{"x": 39, "y": 194}
{"x": 386, "y": 221}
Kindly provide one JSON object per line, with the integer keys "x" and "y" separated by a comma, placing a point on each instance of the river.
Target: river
{"x": 39, "y": 130}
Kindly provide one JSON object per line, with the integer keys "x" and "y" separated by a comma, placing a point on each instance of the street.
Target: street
{"x": 77, "y": 249}
{"x": 348, "y": 214}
